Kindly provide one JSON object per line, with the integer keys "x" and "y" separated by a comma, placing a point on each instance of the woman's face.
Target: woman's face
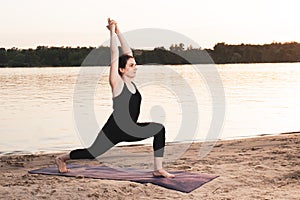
{"x": 130, "y": 68}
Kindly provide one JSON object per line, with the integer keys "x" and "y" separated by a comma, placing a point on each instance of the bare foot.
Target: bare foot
{"x": 61, "y": 165}
{"x": 163, "y": 173}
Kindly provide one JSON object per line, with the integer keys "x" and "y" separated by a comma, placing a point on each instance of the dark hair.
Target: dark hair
{"x": 123, "y": 61}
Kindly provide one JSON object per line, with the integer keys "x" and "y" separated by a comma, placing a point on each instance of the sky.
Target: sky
{"x": 30, "y": 23}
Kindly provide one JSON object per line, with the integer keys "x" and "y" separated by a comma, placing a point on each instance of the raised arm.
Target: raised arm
{"x": 114, "y": 77}
{"x": 124, "y": 45}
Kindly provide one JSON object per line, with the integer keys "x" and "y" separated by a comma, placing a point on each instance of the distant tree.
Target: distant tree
{"x": 18, "y": 61}
{"x": 3, "y": 57}
{"x": 160, "y": 48}
{"x": 177, "y": 47}
{"x": 181, "y": 47}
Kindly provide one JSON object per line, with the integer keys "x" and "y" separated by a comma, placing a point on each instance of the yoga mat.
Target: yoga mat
{"x": 183, "y": 181}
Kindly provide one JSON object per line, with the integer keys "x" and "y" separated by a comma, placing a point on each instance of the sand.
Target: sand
{"x": 266, "y": 167}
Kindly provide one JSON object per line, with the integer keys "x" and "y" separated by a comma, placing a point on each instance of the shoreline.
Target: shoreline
{"x": 265, "y": 167}
{"x": 42, "y": 152}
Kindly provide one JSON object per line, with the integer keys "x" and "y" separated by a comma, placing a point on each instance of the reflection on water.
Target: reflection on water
{"x": 36, "y": 104}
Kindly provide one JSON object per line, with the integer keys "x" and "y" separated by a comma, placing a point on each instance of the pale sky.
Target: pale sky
{"x": 29, "y": 23}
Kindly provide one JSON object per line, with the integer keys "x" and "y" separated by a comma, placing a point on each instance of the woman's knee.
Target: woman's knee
{"x": 162, "y": 132}
{"x": 161, "y": 127}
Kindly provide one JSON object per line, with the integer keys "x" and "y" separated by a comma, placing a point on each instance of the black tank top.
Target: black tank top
{"x": 127, "y": 100}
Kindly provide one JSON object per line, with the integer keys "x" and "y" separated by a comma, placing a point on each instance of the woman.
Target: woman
{"x": 122, "y": 125}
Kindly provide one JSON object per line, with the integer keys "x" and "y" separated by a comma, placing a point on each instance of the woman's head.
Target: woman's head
{"x": 127, "y": 65}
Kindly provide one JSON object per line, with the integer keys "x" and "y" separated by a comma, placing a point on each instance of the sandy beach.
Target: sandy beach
{"x": 265, "y": 167}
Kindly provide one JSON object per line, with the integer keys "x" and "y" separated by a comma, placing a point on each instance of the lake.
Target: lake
{"x": 43, "y": 109}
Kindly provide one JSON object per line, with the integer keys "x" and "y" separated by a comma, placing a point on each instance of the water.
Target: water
{"x": 37, "y": 111}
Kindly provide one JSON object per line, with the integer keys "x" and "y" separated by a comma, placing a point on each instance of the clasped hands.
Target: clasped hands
{"x": 112, "y": 26}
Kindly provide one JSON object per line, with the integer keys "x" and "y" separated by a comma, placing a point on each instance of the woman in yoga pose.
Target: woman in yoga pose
{"x": 122, "y": 125}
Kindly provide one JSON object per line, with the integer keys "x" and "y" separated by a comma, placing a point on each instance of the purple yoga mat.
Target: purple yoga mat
{"x": 183, "y": 181}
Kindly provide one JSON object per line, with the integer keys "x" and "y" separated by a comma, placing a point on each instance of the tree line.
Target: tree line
{"x": 246, "y": 53}
{"x": 176, "y": 54}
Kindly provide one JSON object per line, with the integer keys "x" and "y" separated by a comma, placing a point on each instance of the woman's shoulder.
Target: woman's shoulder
{"x": 118, "y": 88}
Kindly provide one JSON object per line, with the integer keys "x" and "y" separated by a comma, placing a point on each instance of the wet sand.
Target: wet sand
{"x": 266, "y": 167}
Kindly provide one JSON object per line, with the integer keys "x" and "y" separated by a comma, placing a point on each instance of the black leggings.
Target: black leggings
{"x": 107, "y": 139}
